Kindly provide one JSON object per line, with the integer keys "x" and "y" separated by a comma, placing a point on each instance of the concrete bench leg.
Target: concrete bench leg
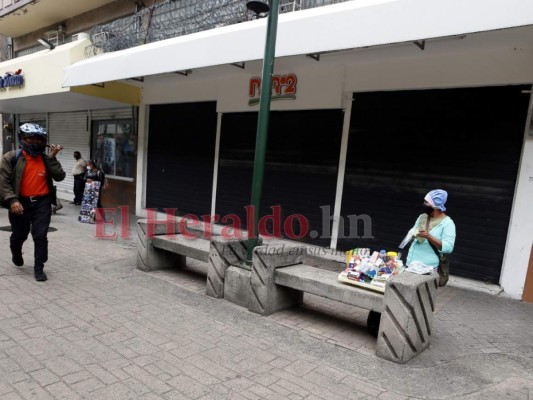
{"x": 222, "y": 254}
{"x": 265, "y": 296}
{"x": 150, "y": 258}
{"x": 407, "y": 320}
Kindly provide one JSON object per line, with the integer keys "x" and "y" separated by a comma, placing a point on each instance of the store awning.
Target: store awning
{"x": 38, "y": 86}
{"x": 349, "y": 25}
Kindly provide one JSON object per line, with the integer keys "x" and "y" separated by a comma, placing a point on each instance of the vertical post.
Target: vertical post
{"x": 341, "y": 170}
{"x": 215, "y": 167}
{"x": 262, "y": 124}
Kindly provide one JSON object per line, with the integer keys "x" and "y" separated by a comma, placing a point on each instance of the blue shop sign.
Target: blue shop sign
{"x": 11, "y": 79}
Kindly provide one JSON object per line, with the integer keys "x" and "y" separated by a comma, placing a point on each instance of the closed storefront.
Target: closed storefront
{"x": 401, "y": 144}
{"x": 70, "y": 130}
{"x": 37, "y": 118}
{"x": 406, "y": 143}
{"x": 181, "y": 151}
{"x": 300, "y": 176}
{"x": 300, "y": 172}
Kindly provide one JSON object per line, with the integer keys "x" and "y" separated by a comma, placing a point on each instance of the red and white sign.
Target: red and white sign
{"x": 283, "y": 88}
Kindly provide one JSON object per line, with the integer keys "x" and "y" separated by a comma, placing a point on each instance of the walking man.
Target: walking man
{"x": 78, "y": 171}
{"x": 26, "y": 188}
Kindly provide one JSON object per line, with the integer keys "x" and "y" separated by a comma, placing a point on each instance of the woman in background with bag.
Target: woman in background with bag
{"x": 434, "y": 235}
{"x": 92, "y": 203}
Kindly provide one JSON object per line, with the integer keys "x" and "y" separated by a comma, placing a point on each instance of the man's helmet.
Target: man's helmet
{"x": 32, "y": 130}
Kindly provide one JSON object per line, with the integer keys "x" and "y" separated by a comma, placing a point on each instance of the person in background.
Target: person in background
{"x": 78, "y": 171}
{"x": 95, "y": 174}
{"x": 26, "y": 184}
{"x": 432, "y": 227}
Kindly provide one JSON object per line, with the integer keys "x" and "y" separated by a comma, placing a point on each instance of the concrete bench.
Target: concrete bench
{"x": 280, "y": 274}
{"x": 279, "y": 279}
{"x": 163, "y": 251}
{"x": 324, "y": 283}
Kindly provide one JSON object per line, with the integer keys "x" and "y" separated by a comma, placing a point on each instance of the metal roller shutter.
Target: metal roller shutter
{"x": 466, "y": 141}
{"x": 300, "y": 170}
{"x": 112, "y": 113}
{"x": 38, "y": 117}
{"x": 181, "y": 150}
{"x": 70, "y": 130}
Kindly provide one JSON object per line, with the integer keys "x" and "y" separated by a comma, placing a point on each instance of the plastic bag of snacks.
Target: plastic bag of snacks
{"x": 371, "y": 269}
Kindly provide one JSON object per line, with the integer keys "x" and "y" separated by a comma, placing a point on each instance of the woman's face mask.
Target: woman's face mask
{"x": 428, "y": 209}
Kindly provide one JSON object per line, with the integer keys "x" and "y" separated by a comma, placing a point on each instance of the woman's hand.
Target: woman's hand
{"x": 423, "y": 234}
{"x": 431, "y": 239}
{"x": 89, "y": 181}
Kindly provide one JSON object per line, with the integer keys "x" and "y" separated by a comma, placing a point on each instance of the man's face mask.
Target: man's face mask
{"x": 33, "y": 145}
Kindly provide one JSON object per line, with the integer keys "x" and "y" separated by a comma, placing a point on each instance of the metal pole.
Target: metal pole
{"x": 262, "y": 124}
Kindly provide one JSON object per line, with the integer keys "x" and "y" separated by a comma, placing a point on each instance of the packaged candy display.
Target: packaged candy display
{"x": 370, "y": 269}
{"x": 89, "y": 203}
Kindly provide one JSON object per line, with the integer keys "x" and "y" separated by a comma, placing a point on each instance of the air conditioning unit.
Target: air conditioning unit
{"x": 80, "y": 36}
{"x": 55, "y": 37}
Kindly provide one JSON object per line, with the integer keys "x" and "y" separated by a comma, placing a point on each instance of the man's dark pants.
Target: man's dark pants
{"x": 79, "y": 186}
{"x": 37, "y": 215}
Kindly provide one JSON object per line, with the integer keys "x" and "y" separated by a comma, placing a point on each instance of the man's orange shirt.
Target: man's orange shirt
{"x": 33, "y": 181}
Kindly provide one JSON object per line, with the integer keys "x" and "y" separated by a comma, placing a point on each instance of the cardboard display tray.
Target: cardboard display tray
{"x": 363, "y": 285}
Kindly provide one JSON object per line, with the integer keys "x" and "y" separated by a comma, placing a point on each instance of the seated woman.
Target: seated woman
{"x": 434, "y": 231}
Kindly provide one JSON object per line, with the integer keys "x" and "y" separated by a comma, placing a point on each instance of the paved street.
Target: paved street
{"x": 100, "y": 329}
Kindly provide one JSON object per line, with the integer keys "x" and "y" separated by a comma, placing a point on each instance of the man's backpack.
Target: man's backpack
{"x": 16, "y": 158}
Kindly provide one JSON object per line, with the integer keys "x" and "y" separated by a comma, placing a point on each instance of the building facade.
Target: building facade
{"x": 374, "y": 104}
{"x": 83, "y": 120}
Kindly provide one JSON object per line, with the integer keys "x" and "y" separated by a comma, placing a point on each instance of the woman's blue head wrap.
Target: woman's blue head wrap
{"x": 437, "y": 198}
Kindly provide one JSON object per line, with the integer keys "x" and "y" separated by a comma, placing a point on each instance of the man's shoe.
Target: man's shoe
{"x": 40, "y": 277}
{"x": 77, "y": 204}
{"x": 17, "y": 258}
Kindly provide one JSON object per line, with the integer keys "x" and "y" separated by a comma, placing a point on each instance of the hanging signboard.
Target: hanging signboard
{"x": 283, "y": 88}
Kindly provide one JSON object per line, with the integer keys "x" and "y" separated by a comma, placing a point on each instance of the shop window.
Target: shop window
{"x": 114, "y": 145}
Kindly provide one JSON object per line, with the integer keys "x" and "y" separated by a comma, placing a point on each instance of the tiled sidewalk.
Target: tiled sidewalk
{"x": 100, "y": 329}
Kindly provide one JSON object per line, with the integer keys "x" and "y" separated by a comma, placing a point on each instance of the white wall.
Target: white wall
{"x": 442, "y": 71}
{"x": 318, "y": 87}
{"x": 520, "y": 236}
{"x": 43, "y": 71}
